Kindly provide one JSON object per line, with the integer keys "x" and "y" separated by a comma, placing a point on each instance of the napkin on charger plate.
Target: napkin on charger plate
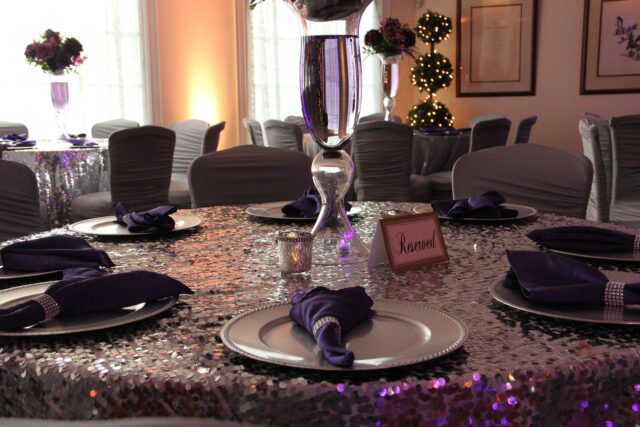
{"x": 79, "y": 140}
{"x": 156, "y": 220}
{"x": 13, "y": 140}
{"x": 547, "y": 278}
{"x": 84, "y": 290}
{"x": 578, "y": 238}
{"x": 308, "y": 205}
{"x": 53, "y": 253}
{"x": 328, "y": 314}
{"x": 484, "y": 206}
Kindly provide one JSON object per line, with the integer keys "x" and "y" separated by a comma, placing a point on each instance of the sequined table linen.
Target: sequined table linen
{"x": 63, "y": 173}
{"x": 515, "y": 369}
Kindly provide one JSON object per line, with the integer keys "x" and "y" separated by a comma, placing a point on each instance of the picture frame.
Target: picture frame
{"x": 610, "y": 47}
{"x": 496, "y": 48}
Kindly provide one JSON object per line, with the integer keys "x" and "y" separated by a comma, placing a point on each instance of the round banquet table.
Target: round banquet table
{"x": 514, "y": 369}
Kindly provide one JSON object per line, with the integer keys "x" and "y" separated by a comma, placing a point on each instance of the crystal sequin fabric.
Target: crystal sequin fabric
{"x": 515, "y": 368}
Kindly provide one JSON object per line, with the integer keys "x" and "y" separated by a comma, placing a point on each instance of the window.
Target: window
{"x": 110, "y": 84}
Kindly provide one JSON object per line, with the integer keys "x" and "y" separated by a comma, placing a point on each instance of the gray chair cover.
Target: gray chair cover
{"x": 625, "y": 190}
{"x": 524, "y": 129}
{"x": 124, "y": 422}
{"x": 600, "y": 196}
{"x": 189, "y": 143}
{"x": 489, "y": 133}
{"x": 604, "y": 138}
{"x": 550, "y": 180}
{"x": 281, "y": 134}
{"x": 248, "y": 174}
{"x": 379, "y": 116}
{"x": 9, "y": 127}
{"x": 382, "y": 155}
{"x": 255, "y": 131}
{"x": 141, "y": 160}
{"x": 484, "y": 117}
{"x": 212, "y": 138}
{"x": 105, "y": 129}
{"x": 298, "y": 121}
{"x": 19, "y": 201}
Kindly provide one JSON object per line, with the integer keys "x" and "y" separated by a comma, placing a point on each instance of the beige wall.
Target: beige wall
{"x": 197, "y": 57}
{"x": 557, "y": 102}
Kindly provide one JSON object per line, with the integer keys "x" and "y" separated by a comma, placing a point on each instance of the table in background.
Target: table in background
{"x": 515, "y": 368}
{"x": 435, "y": 153}
{"x": 63, "y": 172}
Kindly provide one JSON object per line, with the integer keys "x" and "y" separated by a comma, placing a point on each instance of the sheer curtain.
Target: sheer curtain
{"x": 274, "y": 61}
{"x": 110, "y": 84}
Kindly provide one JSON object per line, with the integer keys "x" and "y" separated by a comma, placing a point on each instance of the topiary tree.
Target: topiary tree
{"x": 432, "y": 72}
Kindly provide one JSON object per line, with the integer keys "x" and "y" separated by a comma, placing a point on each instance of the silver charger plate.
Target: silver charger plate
{"x": 79, "y": 322}
{"x": 609, "y": 315}
{"x": 400, "y": 333}
{"x": 7, "y": 275}
{"x": 629, "y": 256}
{"x": 523, "y": 213}
{"x": 273, "y": 210}
{"x": 107, "y": 226}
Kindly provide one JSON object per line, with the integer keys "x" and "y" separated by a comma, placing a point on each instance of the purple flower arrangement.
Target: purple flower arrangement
{"x": 390, "y": 39}
{"x": 54, "y": 53}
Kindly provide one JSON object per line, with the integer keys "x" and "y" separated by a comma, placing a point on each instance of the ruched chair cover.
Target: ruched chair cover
{"x": 625, "y": 190}
{"x": 10, "y": 127}
{"x": 141, "y": 160}
{"x": 279, "y": 134}
{"x": 255, "y": 131}
{"x": 550, "y": 180}
{"x": 19, "y": 201}
{"x": 298, "y": 121}
{"x": 378, "y": 117}
{"x": 248, "y": 174}
{"x": 484, "y": 117}
{"x": 523, "y": 133}
{"x": 600, "y": 196}
{"x": 105, "y": 129}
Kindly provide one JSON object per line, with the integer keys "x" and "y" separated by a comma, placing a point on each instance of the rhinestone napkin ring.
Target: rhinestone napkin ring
{"x": 49, "y": 305}
{"x": 325, "y": 320}
{"x": 614, "y": 294}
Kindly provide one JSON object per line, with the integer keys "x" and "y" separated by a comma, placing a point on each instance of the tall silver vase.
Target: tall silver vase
{"x": 390, "y": 82}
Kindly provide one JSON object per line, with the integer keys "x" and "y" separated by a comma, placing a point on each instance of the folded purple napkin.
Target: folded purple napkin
{"x": 328, "y": 314}
{"x": 308, "y": 205}
{"x": 79, "y": 140}
{"x": 15, "y": 136}
{"x": 84, "y": 290}
{"x": 156, "y": 220}
{"x": 547, "y": 278}
{"x": 15, "y": 144}
{"x": 485, "y": 206}
{"x": 53, "y": 253}
{"x": 585, "y": 239}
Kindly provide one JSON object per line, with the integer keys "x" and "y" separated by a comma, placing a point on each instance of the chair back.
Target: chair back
{"x": 141, "y": 160}
{"x": 189, "y": 143}
{"x": 19, "y": 201}
{"x": 550, "y": 180}
{"x": 298, "y": 121}
{"x": 9, "y": 127}
{"x": 625, "y": 142}
{"x": 212, "y": 138}
{"x": 524, "y": 129}
{"x": 382, "y": 156}
{"x": 600, "y": 196}
{"x": 484, "y": 117}
{"x": 281, "y": 134}
{"x": 105, "y": 129}
{"x": 489, "y": 133}
{"x": 248, "y": 174}
{"x": 379, "y": 117}
{"x": 255, "y": 131}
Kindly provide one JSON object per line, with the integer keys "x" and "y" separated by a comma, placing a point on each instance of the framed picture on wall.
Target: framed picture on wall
{"x": 611, "y": 47}
{"x": 496, "y": 50}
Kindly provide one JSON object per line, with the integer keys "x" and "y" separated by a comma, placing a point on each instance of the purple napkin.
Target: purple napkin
{"x": 585, "y": 239}
{"x": 15, "y": 143}
{"x": 156, "y": 220}
{"x": 553, "y": 279}
{"x": 308, "y": 205}
{"x": 79, "y": 140}
{"x": 53, "y": 253}
{"x": 485, "y": 206}
{"x": 328, "y": 314}
{"x": 84, "y": 290}
{"x": 16, "y": 137}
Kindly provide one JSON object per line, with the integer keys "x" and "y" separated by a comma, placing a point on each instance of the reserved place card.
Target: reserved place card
{"x": 410, "y": 241}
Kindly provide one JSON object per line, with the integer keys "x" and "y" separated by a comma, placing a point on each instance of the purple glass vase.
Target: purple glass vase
{"x": 59, "y": 99}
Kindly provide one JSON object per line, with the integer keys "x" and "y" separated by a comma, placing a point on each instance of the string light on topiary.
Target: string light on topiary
{"x": 432, "y": 72}
{"x": 433, "y": 27}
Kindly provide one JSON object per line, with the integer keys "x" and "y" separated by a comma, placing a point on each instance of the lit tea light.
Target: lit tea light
{"x": 294, "y": 251}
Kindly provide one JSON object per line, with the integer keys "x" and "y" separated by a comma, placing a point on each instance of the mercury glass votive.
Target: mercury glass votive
{"x": 294, "y": 251}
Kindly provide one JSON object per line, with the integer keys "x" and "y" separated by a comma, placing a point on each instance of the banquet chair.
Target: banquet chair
{"x": 105, "y": 129}
{"x": 600, "y": 196}
{"x": 19, "y": 201}
{"x": 523, "y": 133}
{"x": 281, "y": 134}
{"x": 9, "y": 127}
{"x": 255, "y": 131}
{"x": 548, "y": 179}
{"x": 382, "y": 155}
{"x": 299, "y": 121}
{"x": 141, "y": 160}
{"x": 484, "y": 117}
{"x": 625, "y": 188}
{"x": 248, "y": 174}
{"x": 379, "y": 116}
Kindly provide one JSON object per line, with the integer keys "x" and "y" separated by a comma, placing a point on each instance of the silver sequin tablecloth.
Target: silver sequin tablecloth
{"x": 63, "y": 173}
{"x": 515, "y": 369}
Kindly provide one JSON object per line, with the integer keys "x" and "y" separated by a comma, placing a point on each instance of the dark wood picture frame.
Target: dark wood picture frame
{"x": 507, "y": 80}
{"x": 610, "y": 47}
